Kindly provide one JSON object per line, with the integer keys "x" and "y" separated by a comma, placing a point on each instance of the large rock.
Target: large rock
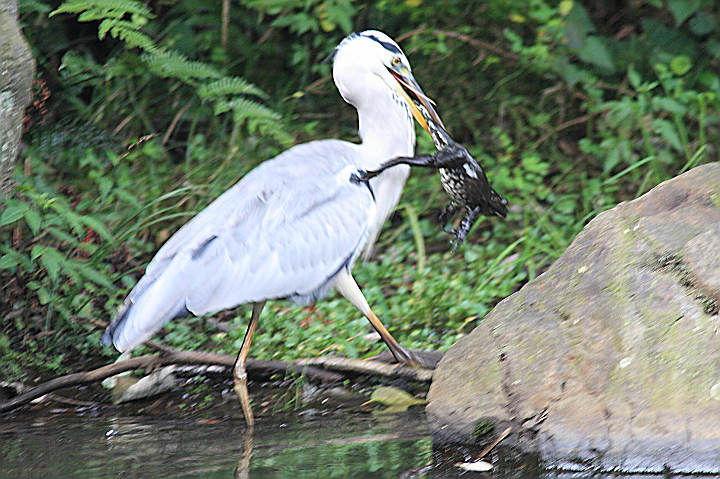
{"x": 613, "y": 354}
{"x": 17, "y": 69}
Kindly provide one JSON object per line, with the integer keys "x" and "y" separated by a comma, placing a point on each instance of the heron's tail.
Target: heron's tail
{"x": 116, "y": 323}
{"x": 153, "y": 302}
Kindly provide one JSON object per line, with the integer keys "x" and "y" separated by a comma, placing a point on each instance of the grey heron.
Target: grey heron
{"x": 293, "y": 227}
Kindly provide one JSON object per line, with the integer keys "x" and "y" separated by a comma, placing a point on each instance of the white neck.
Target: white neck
{"x": 385, "y": 126}
{"x": 387, "y": 131}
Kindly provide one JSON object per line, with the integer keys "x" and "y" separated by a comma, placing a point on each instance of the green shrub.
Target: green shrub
{"x": 157, "y": 107}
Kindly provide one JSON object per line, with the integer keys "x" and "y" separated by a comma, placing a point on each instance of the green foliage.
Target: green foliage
{"x": 307, "y": 16}
{"x": 570, "y": 107}
{"x": 112, "y": 14}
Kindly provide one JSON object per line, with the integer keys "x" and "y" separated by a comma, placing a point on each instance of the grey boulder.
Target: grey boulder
{"x": 613, "y": 354}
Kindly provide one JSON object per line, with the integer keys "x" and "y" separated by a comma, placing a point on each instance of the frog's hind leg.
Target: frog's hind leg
{"x": 467, "y": 222}
{"x": 447, "y": 212}
{"x": 427, "y": 161}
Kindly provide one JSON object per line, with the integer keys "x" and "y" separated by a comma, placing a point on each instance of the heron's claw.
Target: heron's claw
{"x": 410, "y": 358}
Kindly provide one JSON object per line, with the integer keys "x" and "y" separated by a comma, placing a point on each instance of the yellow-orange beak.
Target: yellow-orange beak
{"x": 415, "y": 97}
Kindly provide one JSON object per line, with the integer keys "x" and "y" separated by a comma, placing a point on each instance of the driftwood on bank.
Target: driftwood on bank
{"x": 325, "y": 369}
{"x": 373, "y": 368}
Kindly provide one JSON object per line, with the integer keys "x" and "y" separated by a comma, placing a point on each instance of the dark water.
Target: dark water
{"x": 288, "y": 446}
{"x": 350, "y": 446}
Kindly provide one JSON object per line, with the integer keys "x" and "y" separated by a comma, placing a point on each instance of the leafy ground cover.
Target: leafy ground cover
{"x": 148, "y": 111}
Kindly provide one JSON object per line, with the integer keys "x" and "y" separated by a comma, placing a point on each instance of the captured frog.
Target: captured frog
{"x": 461, "y": 176}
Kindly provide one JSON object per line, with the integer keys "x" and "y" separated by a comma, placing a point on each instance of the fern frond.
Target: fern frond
{"x": 176, "y": 65}
{"x": 111, "y": 14}
{"x": 243, "y": 109}
{"x": 137, "y": 39}
{"x": 92, "y": 15}
{"x": 111, "y": 7}
{"x": 109, "y": 23}
{"x": 229, "y": 86}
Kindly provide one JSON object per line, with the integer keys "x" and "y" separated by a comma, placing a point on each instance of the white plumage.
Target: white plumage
{"x": 284, "y": 238}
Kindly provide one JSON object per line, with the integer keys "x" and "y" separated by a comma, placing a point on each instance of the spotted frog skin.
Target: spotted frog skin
{"x": 462, "y": 178}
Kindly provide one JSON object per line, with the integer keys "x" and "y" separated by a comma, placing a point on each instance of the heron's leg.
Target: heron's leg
{"x": 346, "y": 285}
{"x": 239, "y": 372}
{"x": 242, "y": 470}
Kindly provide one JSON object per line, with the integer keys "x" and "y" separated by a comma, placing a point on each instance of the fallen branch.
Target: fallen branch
{"x": 256, "y": 368}
{"x": 78, "y": 378}
{"x": 374, "y": 368}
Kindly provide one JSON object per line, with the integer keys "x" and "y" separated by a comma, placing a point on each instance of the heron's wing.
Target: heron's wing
{"x": 290, "y": 242}
{"x": 284, "y": 230}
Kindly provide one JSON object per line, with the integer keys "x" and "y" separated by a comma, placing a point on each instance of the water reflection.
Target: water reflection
{"x": 348, "y": 446}
{"x": 291, "y": 446}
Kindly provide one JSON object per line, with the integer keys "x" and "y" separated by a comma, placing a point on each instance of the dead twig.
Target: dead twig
{"x": 71, "y": 401}
{"x": 174, "y": 122}
{"x": 563, "y": 126}
{"x": 224, "y": 23}
{"x": 324, "y": 369}
{"x": 474, "y": 42}
{"x": 497, "y": 441}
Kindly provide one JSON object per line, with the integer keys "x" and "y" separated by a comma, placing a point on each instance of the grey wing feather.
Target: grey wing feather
{"x": 283, "y": 231}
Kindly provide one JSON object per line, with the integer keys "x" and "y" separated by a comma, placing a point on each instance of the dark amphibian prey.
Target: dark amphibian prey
{"x": 461, "y": 176}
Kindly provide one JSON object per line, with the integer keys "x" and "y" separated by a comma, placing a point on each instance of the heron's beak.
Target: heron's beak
{"x": 415, "y": 97}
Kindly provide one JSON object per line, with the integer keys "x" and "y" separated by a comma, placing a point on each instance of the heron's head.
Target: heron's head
{"x": 370, "y": 58}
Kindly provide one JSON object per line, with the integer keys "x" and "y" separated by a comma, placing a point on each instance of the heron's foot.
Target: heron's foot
{"x": 409, "y": 358}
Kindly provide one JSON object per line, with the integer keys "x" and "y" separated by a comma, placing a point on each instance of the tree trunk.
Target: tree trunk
{"x": 17, "y": 69}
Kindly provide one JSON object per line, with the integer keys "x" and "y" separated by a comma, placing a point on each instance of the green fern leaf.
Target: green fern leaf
{"x": 229, "y": 86}
{"x": 104, "y": 27}
{"x": 138, "y": 39}
{"x": 244, "y": 109}
{"x": 92, "y": 15}
{"x": 111, "y": 7}
{"x": 175, "y": 65}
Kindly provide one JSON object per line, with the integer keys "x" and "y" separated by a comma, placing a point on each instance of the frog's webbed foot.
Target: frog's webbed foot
{"x": 361, "y": 176}
{"x": 467, "y": 222}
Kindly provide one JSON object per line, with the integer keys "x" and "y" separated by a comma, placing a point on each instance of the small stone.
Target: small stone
{"x": 625, "y": 362}
{"x": 478, "y": 466}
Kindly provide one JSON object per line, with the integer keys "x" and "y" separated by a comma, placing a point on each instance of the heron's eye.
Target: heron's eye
{"x": 396, "y": 62}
